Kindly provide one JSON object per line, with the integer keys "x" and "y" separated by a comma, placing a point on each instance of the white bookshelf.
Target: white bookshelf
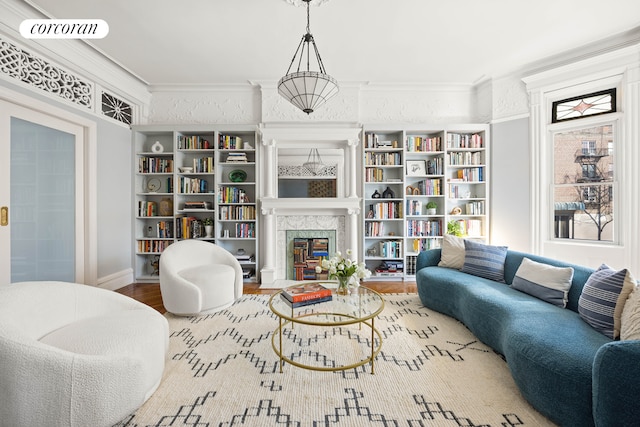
{"x": 195, "y": 194}
{"x": 447, "y": 167}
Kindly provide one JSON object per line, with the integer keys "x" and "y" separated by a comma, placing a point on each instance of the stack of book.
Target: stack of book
{"x": 237, "y": 158}
{"x": 197, "y": 205}
{"x": 306, "y": 294}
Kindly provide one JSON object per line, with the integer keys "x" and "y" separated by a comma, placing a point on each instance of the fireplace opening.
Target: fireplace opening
{"x": 305, "y": 250}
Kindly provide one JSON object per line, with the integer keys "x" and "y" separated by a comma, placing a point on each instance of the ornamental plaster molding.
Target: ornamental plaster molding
{"x": 510, "y": 98}
{"x": 416, "y": 106}
{"x": 187, "y": 106}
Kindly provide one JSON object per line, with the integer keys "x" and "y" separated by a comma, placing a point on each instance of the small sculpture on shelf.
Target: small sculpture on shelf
{"x": 376, "y": 195}
{"x": 388, "y": 193}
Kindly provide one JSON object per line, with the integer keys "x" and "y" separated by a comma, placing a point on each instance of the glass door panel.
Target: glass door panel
{"x": 43, "y": 203}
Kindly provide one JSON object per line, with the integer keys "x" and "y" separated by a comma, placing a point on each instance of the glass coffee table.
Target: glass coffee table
{"x": 358, "y": 308}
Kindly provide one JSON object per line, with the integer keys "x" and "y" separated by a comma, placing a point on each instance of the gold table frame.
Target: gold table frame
{"x": 326, "y": 309}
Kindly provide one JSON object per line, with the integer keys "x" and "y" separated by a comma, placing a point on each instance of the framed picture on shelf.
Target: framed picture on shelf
{"x": 416, "y": 167}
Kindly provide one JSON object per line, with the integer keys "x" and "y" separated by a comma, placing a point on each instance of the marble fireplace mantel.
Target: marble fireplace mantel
{"x": 282, "y": 215}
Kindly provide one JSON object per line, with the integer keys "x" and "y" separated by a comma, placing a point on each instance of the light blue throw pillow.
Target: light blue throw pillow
{"x": 484, "y": 260}
{"x": 544, "y": 281}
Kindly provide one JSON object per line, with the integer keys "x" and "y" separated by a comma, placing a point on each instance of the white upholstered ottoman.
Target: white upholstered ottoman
{"x": 75, "y": 355}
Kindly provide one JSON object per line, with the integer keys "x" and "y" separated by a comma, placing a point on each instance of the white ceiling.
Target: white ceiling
{"x": 203, "y": 42}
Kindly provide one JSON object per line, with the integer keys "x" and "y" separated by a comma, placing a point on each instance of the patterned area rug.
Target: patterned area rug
{"x": 431, "y": 371}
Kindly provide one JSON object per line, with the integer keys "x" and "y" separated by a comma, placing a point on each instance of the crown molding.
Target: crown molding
{"x": 78, "y": 56}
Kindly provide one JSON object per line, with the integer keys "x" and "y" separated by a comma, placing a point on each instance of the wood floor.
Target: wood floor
{"x": 149, "y": 293}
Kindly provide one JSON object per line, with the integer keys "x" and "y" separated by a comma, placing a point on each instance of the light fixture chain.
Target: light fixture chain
{"x": 308, "y": 17}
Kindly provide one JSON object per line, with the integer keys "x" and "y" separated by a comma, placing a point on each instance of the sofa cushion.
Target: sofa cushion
{"x": 602, "y": 300}
{"x": 484, "y": 260}
{"x": 452, "y": 255}
{"x": 630, "y": 320}
{"x": 549, "y": 283}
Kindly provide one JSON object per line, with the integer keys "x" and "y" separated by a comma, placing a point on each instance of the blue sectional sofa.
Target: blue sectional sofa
{"x": 570, "y": 372}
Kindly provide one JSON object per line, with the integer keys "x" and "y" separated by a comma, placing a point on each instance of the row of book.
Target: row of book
{"x": 418, "y": 227}
{"x": 390, "y": 249}
{"x": 202, "y": 165}
{"x": 386, "y": 210}
{"x": 147, "y": 208}
{"x": 189, "y": 227}
{"x": 306, "y": 294}
{"x": 152, "y": 246}
{"x": 374, "y": 229}
{"x": 155, "y": 165}
{"x": 229, "y": 142}
{"x": 423, "y": 143}
{"x": 415, "y": 207}
{"x": 465, "y": 158}
{"x": 470, "y": 174}
{"x": 459, "y": 140}
{"x": 473, "y": 208}
{"x": 459, "y": 192}
{"x": 245, "y": 230}
{"x": 162, "y": 230}
{"x": 385, "y": 159}
{"x": 187, "y": 185}
{"x": 375, "y": 175}
{"x": 237, "y": 212}
{"x": 372, "y": 140}
{"x": 426, "y": 187}
{"x": 195, "y": 142}
{"x": 232, "y": 195}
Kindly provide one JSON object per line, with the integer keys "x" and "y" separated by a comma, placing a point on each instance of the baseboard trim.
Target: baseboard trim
{"x": 116, "y": 280}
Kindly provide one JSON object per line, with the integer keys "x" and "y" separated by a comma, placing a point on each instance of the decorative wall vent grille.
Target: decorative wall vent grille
{"x": 116, "y": 108}
{"x": 30, "y": 69}
{"x": 301, "y": 171}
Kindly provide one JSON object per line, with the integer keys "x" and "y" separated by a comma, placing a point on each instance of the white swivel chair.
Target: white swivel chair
{"x": 198, "y": 277}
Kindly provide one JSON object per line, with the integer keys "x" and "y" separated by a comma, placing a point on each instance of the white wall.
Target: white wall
{"x": 510, "y": 200}
{"x": 113, "y": 193}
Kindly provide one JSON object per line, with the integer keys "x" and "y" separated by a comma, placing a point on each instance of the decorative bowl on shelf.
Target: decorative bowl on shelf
{"x": 186, "y": 169}
{"x": 237, "y": 175}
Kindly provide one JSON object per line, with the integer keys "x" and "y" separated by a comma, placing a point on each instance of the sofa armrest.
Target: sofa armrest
{"x": 616, "y": 389}
{"x": 428, "y": 258}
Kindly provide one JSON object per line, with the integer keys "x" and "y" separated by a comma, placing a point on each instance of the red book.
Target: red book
{"x": 306, "y": 292}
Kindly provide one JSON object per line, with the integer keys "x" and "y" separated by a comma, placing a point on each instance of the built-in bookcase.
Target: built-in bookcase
{"x": 418, "y": 184}
{"x": 194, "y": 183}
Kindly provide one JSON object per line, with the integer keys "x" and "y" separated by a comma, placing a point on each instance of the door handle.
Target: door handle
{"x": 4, "y": 216}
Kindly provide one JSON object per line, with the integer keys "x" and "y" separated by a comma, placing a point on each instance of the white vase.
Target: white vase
{"x": 209, "y": 230}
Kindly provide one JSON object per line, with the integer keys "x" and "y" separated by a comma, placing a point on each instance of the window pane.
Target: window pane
{"x": 584, "y": 172}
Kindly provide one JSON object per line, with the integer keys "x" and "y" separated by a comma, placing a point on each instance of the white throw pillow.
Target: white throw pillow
{"x": 630, "y": 320}
{"x": 452, "y": 255}
{"x": 544, "y": 281}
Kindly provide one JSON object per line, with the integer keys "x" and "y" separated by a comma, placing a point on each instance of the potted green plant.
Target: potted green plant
{"x": 208, "y": 226}
{"x": 454, "y": 227}
{"x": 431, "y": 208}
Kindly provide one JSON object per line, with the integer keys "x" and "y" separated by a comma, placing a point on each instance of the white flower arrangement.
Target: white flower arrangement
{"x": 338, "y": 266}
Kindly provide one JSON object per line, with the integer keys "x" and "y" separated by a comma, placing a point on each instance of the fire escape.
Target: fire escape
{"x": 588, "y": 159}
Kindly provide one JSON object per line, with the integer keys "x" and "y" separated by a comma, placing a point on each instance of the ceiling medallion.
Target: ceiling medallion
{"x": 307, "y": 89}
